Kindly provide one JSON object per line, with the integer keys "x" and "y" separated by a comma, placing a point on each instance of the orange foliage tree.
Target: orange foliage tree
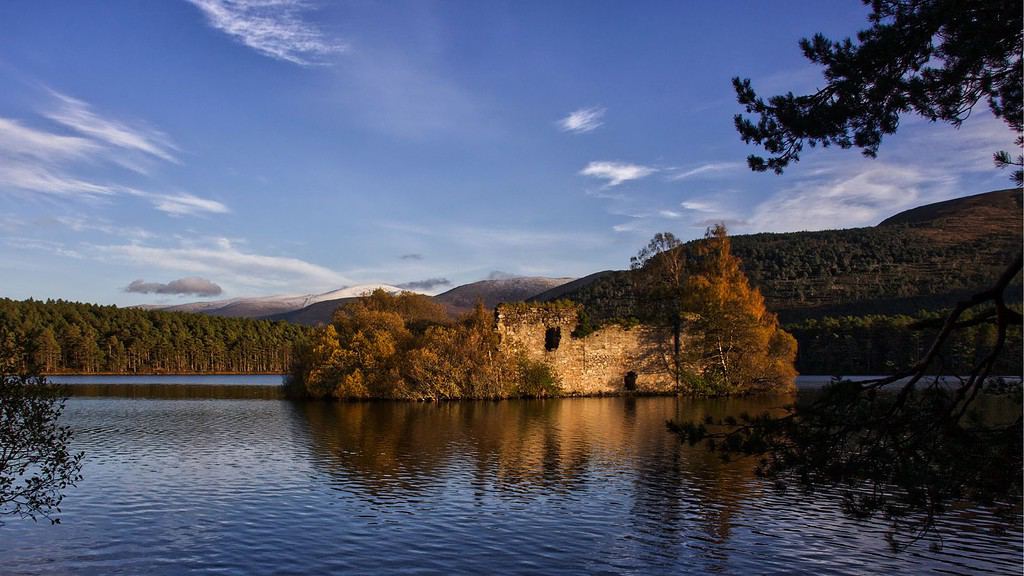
{"x": 404, "y": 346}
{"x": 736, "y": 342}
{"x": 731, "y": 343}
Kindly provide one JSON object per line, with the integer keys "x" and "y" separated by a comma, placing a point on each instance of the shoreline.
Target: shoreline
{"x": 49, "y": 374}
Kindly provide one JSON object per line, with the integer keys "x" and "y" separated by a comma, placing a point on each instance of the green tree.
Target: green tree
{"x": 911, "y": 453}
{"x": 46, "y": 352}
{"x": 660, "y": 277}
{"x": 934, "y": 58}
{"x": 36, "y": 461}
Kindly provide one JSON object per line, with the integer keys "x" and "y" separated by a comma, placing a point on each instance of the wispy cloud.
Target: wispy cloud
{"x": 411, "y": 257}
{"x": 182, "y": 204}
{"x": 582, "y": 120}
{"x": 851, "y": 196}
{"x": 617, "y": 172}
{"x": 632, "y": 226}
{"x": 699, "y": 206}
{"x": 78, "y": 116}
{"x": 274, "y": 28}
{"x": 221, "y": 257}
{"x": 706, "y": 168}
{"x": 41, "y": 161}
{"x": 495, "y": 237}
{"x": 79, "y": 224}
{"x": 192, "y": 285}
{"x": 50, "y": 246}
{"x": 40, "y": 178}
{"x": 21, "y": 140}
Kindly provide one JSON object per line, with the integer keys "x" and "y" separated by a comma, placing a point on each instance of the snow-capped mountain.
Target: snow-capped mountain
{"x": 260, "y": 306}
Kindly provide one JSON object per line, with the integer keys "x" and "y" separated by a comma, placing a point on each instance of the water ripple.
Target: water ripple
{"x": 581, "y": 486}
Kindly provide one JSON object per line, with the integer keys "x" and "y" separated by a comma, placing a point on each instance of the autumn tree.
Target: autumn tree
{"x": 724, "y": 339}
{"x": 906, "y": 453}
{"x": 404, "y": 347}
{"x": 736, "y": 343}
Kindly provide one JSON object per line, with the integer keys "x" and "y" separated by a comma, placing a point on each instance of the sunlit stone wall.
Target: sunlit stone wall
{"x": 598, "y": 363}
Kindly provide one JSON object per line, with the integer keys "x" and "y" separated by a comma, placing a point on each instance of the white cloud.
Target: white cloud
{"x": 582, "y": 120}
{"x": 36, "y": 177}
{"x": 706, "y": 168}
{"x": 699, "y": 206}
{"x": 34, "y": 160}
{"x": 851, "y": 197}
{"x": 671, "y": 214}
{"x": 20, "y": 140}
{"x": 221, "y": 258}
{"x": 78, "y": 116}
{"x": 182, "y": 204}
{"x": 274, "y": 28}
{"x": 617, "y": 172}
{"x": 53, "y": 247}
{"x": 79, "y": 224}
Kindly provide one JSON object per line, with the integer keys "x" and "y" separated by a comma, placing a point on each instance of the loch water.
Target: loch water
{"x": 215, "y": 483}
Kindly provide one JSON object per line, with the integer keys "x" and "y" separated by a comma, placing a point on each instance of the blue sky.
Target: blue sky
{"x": 286, "y": 146}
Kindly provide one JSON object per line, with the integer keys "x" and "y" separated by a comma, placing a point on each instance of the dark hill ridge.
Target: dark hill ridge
{"x": 457, "y": 301}
{"x": 977, "y": 213}
{"x": 926, "y": 257}
{"x": 318, "y": 313}
{"x": 493, "y": 292}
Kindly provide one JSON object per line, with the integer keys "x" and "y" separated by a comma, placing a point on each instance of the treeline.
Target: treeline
{"x": 405, "y": 347}
{"x": 56, "y": 336}
{"x": 883, "y": 344}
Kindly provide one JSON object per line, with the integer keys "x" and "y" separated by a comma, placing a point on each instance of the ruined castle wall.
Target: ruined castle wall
{"x": 595, "y": 364}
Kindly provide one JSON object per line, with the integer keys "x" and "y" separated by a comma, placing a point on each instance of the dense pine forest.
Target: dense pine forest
{"x": 883, "y": 344}
{"x": 70, "y": 337}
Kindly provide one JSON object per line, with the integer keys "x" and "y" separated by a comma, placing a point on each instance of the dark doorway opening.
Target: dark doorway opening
{"x": 630, "y": 381}
{"x": 552, "y": 337}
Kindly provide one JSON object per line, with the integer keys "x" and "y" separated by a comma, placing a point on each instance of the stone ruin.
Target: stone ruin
{"x": 610, "y": 360}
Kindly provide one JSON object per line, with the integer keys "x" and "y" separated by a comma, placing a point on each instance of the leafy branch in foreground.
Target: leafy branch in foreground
{"x": 36, "y": 461}
{"x": 934, "y": 58}
{"x": 908, "y": 453}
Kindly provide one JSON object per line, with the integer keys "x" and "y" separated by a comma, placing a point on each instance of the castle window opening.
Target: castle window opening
{"x": 629, "y": 381}
{"x": 552, "y": 337}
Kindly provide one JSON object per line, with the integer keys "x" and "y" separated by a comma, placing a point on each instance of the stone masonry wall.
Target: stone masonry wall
{"x": 599, "y": 363}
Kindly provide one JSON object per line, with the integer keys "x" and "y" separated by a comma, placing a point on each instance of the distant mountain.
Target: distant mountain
{"x": 316, "y": 313}
{"x": 493, "y": 292}
{"x": 558, "y": 292}
{"x": 266, "y": 306}
{"x": 924, "y": 258}
{"x": 457, "y": 301}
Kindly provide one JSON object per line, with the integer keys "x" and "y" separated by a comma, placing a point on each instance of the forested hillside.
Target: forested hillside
{"x": 925, "y": 258}
{"x": 59, "y": 336}
{"x": 876, "y": 344}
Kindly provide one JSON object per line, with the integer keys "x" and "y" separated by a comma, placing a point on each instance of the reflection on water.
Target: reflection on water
{"x": 221, "y": 380}
{"x": 591, "y": 485}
